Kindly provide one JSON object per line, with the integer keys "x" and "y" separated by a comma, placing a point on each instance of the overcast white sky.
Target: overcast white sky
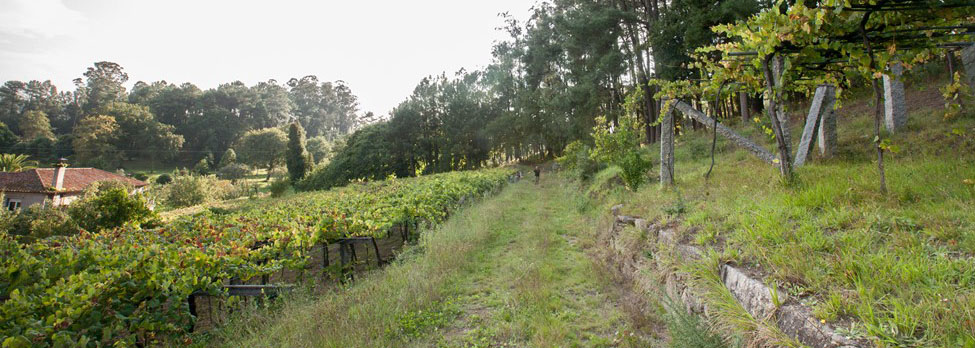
{"x": 381, "y": 48}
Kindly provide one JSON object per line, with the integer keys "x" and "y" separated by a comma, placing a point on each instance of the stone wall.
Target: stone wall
{"x": 627, "y": 253}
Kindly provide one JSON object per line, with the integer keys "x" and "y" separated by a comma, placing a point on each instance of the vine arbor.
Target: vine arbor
{"x": 793, "y": 48}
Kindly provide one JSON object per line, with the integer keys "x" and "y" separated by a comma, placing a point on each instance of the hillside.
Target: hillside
{"x": 891, "y": 269}
{"x": 531, "y": 267}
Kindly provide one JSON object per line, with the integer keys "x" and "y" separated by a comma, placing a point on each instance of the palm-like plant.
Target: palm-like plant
{"x": 15, "y": 163}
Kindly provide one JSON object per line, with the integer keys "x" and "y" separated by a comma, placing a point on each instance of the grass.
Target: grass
{"x": 509, "y": 271}
{"x": 900, "y": 266}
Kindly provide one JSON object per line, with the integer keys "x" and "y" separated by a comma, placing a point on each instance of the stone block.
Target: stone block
{"x": 616, "y": 209}
{"x": 641, "y": 224}
{"x": 752, "y": 294}
{"x": 895, "y": 105}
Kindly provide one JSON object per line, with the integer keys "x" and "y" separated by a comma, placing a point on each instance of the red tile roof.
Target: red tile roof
{"x": 75, "y": 180}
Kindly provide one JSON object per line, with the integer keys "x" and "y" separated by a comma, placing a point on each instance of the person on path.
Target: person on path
{"x": 538, "y": 171}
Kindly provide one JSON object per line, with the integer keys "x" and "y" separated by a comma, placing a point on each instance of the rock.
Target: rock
{"x": 797, "y": 321}
{"x": 753, "y": 296}
{"x": 667, "y": 236}
{"x": 641, "y": 224}
{"x": 616, "y": 209}
{"x": 895, "y": 108}
{"x": 626, "y": 220}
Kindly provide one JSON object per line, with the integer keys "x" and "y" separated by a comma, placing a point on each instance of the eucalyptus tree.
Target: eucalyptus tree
{"x": 103, "y": 84}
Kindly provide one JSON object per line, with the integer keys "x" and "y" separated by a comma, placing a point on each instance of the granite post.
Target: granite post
{"x": 822, "y": 104}
{"x": 895, "y": 107}
{"x": 667, "y": 144}
{"x": 968, "y": 61}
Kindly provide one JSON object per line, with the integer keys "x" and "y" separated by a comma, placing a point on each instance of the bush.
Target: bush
{"x": 577, "y": 159}
{"x": 233, "y": 172}
{"x": 164, "y": 179}
{"x": 620, "y": 146}
{"x": 202, "y": 167}
{"x": 188, "y": 190}
{"x": 279, "y": 187}
{"x": 635, "y": 168}
{"x": 613, "y": 143}
{"x": 140, "y": 176}
{"x": 107, "y": 205}
{"x": 37, "y": 222}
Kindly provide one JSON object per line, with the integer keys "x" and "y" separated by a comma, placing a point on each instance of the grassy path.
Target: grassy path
{"x": 535, "y": 287}
{"x": 507, "y": 272}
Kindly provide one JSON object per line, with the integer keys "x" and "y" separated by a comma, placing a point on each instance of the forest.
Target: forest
{"x": 102, "y": 124}
{"x": 568, "y": 64}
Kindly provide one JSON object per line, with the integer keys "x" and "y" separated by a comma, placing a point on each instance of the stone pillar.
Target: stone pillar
{"x": 827, "y": 133}
{"x": 895, "y": 107}
{"x": 968, "y": 61}
{"x": 667, "y": 145}
{"x": 822, "y": 104}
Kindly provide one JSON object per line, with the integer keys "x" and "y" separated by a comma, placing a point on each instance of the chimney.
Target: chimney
{"x": 59, "y": 169}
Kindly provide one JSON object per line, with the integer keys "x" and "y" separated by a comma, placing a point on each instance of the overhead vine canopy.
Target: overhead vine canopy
{"x": 834, "y": 41}
{"x": 794, "y": 47}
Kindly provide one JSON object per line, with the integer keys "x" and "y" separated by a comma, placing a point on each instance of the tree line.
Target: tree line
{"x": 101, "y": 123}
{"x": 570, "y": 63}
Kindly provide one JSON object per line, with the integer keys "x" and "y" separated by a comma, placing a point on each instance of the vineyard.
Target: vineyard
{"x": 130, "y": 286}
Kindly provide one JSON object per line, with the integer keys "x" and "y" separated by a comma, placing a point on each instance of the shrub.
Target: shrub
{"x": 612, "y": 143}
{"x": 233, "y": 172}
{"x": 140, "y": 176}
{"x": 279, "y": 187}
{"x": 108, "y": 205}
{"x": 164, "y": 179}
{"x": 37, "y": 222}
{"x": 620, "y": 146}
{"x": 577, "y": 159}
{"x": 229, "y": 157}
{"x": 202, "y": 167}
{"x": 635, "y": 168}
{"x": 188, "y": 190}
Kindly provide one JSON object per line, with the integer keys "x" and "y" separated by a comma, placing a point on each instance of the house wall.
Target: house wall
{"x": 26, "y": 199}
{"x": 68, "y": 198}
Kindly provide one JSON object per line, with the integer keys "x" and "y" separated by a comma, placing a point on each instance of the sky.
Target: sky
{"x": 380, "y": 48}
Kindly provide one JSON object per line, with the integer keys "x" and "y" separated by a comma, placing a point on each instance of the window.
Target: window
{"x": 13, "y": 204}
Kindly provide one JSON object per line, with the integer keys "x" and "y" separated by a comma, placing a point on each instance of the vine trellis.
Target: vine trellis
{"x": 795, "y": 48}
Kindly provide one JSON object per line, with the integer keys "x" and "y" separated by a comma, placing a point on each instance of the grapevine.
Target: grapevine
{"x": 129, "y": 286}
